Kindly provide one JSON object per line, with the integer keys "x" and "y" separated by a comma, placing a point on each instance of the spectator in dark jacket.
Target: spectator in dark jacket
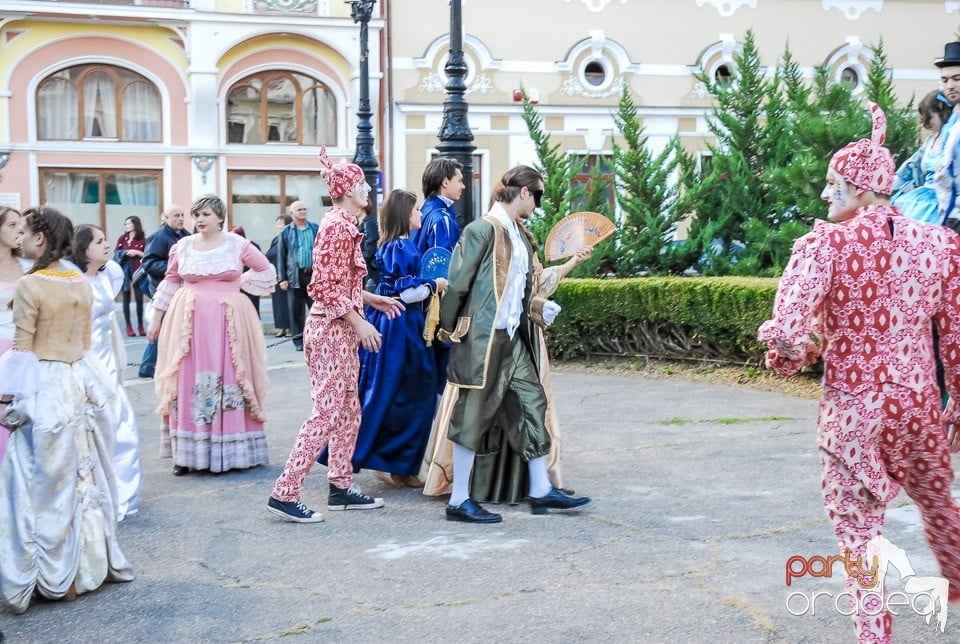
{"x": 281, "y": 312}
{"x": 368, "y": 245}
{"x": 295, "y": 267}
{"x": 155, "y": 265}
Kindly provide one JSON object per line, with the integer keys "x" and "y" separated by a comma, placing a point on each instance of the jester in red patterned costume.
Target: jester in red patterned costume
{"x": 334, "y": 329}
{"x": 868, "y": 285}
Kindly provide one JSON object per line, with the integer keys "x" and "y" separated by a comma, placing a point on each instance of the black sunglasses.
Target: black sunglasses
{"x": 537, "y": 196}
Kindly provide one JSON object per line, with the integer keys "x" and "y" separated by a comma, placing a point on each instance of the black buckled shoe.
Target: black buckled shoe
{"x": 556, "y": 500}
{"x": 470, "y": 512}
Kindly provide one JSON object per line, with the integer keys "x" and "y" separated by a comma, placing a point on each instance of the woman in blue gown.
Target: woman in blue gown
{"x": 396, "y": 397}
{"x": 913, "y": 188}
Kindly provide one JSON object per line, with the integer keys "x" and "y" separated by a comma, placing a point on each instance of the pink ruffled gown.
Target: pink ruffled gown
{"x": 211, "y": 376}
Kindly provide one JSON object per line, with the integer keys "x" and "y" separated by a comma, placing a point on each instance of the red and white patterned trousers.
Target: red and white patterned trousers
{"x": 330, "y": 348}
{"x": 871, "y": 444}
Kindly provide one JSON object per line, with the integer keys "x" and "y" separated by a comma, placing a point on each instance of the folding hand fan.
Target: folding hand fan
{"x": 435, "y": 263}
{"x": 575, "y": 231}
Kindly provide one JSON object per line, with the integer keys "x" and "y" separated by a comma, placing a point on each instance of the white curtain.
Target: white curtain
{"x": 141, "y": 112}
{"x": 137, "y": 190}
{"x": 63, "y": 187}
{"x": 57, "y": 110}
{"x": 99, "y": 106}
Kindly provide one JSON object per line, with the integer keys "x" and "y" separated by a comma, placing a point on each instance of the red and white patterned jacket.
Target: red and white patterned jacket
{"x": 338, "y": 266}
{"x": 868, "y": 289}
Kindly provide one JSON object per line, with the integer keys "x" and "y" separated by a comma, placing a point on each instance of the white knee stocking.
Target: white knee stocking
{"x": 462, "y": 469}
{"x": 539, "y": 480}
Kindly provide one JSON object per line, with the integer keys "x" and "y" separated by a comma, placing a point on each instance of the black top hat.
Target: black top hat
{"x": 951, "y": 55}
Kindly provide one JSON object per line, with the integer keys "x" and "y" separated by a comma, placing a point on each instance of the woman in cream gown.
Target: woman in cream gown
{"x": 57, "y": 515}
{"x": 91, "y": 254}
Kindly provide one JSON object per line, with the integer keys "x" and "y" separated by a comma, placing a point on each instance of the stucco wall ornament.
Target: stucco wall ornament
{"x": 597, "y": 6}
{"x": 286, "y": 6}
{"x": 728, "y": 7}
{"x": 435, "y": 83}
{"x": 853, "y": 9}
{"x": 572, "y": 87}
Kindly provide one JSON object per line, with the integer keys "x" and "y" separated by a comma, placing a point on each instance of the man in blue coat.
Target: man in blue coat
{"x": 442, "y": 186}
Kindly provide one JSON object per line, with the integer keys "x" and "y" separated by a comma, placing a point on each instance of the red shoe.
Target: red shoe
{"x": 140, "y": 329}
{"x": 130, "y": 333}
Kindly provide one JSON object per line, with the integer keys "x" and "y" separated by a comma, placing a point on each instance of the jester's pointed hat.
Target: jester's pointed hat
{"x": 866, "y": 163}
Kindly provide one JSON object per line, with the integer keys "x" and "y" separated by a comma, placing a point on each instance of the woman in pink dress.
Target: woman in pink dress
{"x": 11, "y": 269}
{"x": 211, "y": 376}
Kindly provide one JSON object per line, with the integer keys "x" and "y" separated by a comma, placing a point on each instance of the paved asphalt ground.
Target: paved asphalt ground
{"x": 701, "y": 494}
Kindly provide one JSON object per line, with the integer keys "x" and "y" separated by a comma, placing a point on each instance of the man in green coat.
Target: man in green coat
{"x": 487, "y": 314}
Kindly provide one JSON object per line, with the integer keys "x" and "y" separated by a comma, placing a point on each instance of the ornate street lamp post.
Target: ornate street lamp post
{"x": 361, "y": 11}
{"x": 456, "y": 139}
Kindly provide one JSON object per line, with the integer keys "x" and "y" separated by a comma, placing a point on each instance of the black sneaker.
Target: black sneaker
{"x": 351, "y": 499}
{"x": 293, "y": 511}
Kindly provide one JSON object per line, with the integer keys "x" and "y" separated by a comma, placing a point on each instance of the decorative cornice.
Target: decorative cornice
{"x": 727, "y": 8}
{"x": 853, "y": 9}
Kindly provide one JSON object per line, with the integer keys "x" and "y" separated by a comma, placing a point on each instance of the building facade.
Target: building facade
{"x": 111, "y": 108}
{"x": 574, "y": 56}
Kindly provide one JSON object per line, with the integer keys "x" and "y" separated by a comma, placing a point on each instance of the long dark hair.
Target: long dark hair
{"x": 4, "y": 214}
{"x": 82, "y": 238}
{"x": 515, "y": 180}
{"x": 394, "y": 220}
{"x": 57, "y": 230}
{"x": 137, "y": 228}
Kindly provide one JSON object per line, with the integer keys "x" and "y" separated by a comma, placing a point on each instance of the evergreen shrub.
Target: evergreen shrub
{"x": 669, "y": 317}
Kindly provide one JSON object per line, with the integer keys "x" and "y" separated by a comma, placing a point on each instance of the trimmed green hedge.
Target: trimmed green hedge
{"x": 683, "y": 317}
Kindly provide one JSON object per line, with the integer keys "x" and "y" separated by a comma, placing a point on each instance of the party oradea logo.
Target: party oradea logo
{"x": 925, "y": 596}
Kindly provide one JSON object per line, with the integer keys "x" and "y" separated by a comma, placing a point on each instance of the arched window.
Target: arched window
{"x": 98, "y": 102}
{"x": 284, "y": 107}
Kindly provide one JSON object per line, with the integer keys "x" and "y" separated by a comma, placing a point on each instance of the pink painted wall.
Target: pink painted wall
{"x": 91, "y": 46}
{"x": 279, "y": 58}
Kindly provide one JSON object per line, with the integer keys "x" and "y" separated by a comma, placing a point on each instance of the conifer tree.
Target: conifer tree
{"x": 597, "y": 199}
{"x": 734, "y": 191}
{"x": 903, "y": 131}
{"x": 648, "y": 195}
{"x": 557, "y": 170}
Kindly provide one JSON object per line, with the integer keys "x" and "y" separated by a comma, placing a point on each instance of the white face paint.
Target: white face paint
{"x": 840, "y": 198}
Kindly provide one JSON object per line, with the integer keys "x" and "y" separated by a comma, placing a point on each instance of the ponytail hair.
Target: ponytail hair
{"x": 514, "y": 181}
{"x": 57, "y": 231}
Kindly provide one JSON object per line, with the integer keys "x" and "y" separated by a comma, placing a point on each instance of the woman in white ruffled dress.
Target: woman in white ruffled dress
{"x": 57, "y": 515}
{"x": 12, "y": 268}
{"x": 91, "y": 254}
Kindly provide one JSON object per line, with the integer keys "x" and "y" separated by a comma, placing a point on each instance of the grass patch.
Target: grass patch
{"x": 735, "y": 421}
{"x": 723, "y": 421}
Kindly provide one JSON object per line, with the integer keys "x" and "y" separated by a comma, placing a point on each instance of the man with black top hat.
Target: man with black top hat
{"x": 947, "y": 178}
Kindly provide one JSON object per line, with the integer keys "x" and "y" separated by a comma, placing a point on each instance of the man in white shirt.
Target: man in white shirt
{"x": 487, "y": 314}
